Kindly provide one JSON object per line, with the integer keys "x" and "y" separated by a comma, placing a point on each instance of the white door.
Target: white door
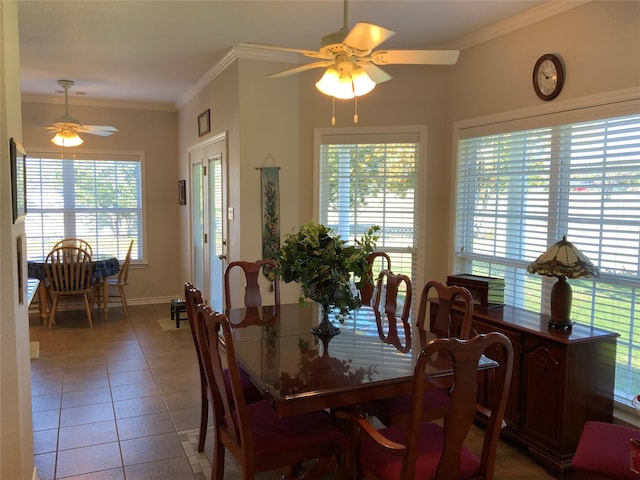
{"x": 208, "y": 203}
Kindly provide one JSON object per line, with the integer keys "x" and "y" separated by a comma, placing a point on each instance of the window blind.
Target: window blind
{"x": 370, "y": 179}
{"x": 519, "y": 192}
{"x": 97, "y": 199}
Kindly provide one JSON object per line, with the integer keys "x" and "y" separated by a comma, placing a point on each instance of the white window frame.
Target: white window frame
{"x": 139, "y": 257}
{"x": 610, "y": 105}
{"x": 381, "y": 135}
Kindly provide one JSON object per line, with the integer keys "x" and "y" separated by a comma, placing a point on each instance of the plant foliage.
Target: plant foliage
{"x": 325, "y": 267}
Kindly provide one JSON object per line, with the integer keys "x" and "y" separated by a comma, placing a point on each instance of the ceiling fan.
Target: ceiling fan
{"x": 352, "y": 65}
{"x": 67, "y": 128}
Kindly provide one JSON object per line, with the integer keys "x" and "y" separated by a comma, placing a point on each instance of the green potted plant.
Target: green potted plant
{"x": 328, "y": 270}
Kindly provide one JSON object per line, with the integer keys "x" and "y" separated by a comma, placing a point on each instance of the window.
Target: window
{"x": 520, "y": 191}
{"x": 97, "y": 198}
{"x": 370, "y": 179}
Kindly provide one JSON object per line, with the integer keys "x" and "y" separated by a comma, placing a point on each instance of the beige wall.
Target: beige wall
{"x": 16, "y": 438}
{"x": 260, "y": 118}
{"x": 600, "y": 45}
{"x": 153, "y": 132}
{"x": 492, "y": 77}
{"x": 598, "y": 41}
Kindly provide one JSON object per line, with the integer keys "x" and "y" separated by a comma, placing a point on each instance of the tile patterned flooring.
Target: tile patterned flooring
{"x": 120, "y": 401}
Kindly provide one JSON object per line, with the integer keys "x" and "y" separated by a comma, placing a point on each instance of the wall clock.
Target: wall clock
{"x": 548, "y": 76}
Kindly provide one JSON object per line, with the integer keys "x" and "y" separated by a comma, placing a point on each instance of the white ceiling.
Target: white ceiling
{"x": 155, "y": 51}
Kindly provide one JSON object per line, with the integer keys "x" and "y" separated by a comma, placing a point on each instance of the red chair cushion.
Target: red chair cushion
{"x": 272, "y": 434}
{"x": 388, "y": 467}
{"x": 604, "y": 449}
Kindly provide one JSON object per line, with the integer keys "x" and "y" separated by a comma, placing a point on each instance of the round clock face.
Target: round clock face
{"x": 548, "y": 77}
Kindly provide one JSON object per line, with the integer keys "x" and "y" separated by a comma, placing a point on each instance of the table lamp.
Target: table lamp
{"x": 562, "y": 260}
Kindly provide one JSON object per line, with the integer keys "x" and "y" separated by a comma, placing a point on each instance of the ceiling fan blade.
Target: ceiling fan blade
{"x": 367, "y": 36}
{"x": 415, "y": 57}
{"x": 375, "y": 73}
{"x": 301, "y": 68}
{"x": 276, "y": 48}
{"x": 101, "y": 130}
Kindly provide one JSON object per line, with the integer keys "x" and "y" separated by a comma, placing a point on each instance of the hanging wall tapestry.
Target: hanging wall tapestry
{"x": 270, "y": 211}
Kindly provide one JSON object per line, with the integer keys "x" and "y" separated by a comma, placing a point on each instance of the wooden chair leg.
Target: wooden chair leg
{"x": 204, "y": 420}
{"x": 87, "y": 306}
{"x": 52, "y": 312}
{"x": 123, "y": 299}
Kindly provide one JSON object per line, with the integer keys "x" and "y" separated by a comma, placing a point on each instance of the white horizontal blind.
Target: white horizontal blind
{"x": 371, "y": 179}
{"x": 521, "y": 191}
{"x": 98, "y": 200}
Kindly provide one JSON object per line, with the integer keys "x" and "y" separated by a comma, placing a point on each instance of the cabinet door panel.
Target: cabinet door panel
{"x": 543, "y": 391}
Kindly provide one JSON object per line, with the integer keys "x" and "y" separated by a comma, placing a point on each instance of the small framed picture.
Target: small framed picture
{"x": 18, "y": 180}
{"x": 182, "y": 192}
{"x": 204, "y": 122}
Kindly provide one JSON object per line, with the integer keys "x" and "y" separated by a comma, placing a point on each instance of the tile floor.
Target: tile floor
{"x": 121, "y": 401}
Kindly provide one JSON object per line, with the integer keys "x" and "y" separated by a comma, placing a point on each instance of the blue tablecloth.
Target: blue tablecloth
{"x": 101, "y": 269}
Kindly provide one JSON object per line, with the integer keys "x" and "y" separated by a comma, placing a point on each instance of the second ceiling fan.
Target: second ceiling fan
{"x": 351, "y": 62}
{"x": 66, "y": 128}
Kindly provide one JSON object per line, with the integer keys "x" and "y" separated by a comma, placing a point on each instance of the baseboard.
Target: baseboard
{"x": 35, "y": 474}
{"x": 133, "y": 301}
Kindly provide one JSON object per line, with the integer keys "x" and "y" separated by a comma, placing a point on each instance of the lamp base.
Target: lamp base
{"x": 568, "y": 325}
{"x": 561, "y": 304}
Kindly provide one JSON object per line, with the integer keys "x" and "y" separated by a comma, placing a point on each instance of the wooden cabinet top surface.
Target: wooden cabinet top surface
{"x": 536, "y": 324}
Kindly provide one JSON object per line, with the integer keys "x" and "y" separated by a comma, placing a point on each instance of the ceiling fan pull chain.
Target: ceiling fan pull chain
{"x": 355, "y": 113}
{"x": 333, "y": 111}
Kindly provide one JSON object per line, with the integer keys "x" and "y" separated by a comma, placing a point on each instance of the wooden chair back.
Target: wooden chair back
{"x": 252, "y": 272}
{"x": 434, "y": 450}
{"x": 378, "y": 261}
{"x": 277, "y": 442}
{"x": 69, "y": 273}
{"x": 123, "y": 275}
{"x": 229, "y": 405}
{"x": 444, "y": 322}
{"x": 193, "y": 298}
{"x": 74, "y": 242}
{"x": 392, "y": 286}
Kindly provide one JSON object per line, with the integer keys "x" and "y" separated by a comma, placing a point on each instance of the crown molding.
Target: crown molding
{"x": 98, "y": 102}
{"x": 534, "y": 15}
{"x": 235, "y": 53}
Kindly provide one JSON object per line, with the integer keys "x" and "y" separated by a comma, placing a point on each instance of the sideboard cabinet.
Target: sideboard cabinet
{"x": 561, "y": 379}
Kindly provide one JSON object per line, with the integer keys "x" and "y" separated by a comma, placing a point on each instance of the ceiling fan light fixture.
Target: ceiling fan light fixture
{"x": 345, "y": 85}
{"x": 67, "y": 138}
{"x": 362, "y": 83}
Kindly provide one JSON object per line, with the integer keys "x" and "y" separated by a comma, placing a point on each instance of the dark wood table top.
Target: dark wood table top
{"x": 301, "y": 373}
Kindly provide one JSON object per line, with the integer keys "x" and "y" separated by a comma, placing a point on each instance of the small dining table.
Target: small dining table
{"x": 301, "y": 372}
{"x": 101, "y": 269}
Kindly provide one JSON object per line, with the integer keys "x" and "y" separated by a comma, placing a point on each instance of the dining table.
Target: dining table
{"x": 301, "y": 372}
{"x": 101, "y": 269}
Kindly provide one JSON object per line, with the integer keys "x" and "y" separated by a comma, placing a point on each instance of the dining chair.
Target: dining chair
{"x": 74, "y": 242}
{"x": 393, "y": 286}
{"x": 443, "y": 323}
{"x": 193, "y": 298}
{"x": 69, "y": 274}
{"x": 378, "y": 261}
{"x": 435, "y": 450}
{"x": 604, "y": 452}
{"x": 252, "y": 432}
{"x": 119, "y": 282}
{"x": 252, "y": 289}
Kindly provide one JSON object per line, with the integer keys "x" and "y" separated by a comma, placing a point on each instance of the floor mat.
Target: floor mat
{"x": 168, "y": 324}
{"x": 34, "y": 348}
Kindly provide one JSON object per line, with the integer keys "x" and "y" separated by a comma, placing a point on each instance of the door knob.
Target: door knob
{"x": 222, "y": 257}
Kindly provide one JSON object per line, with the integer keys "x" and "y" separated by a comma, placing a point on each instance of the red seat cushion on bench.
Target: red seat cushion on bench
{"x": 604, "y": 449}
